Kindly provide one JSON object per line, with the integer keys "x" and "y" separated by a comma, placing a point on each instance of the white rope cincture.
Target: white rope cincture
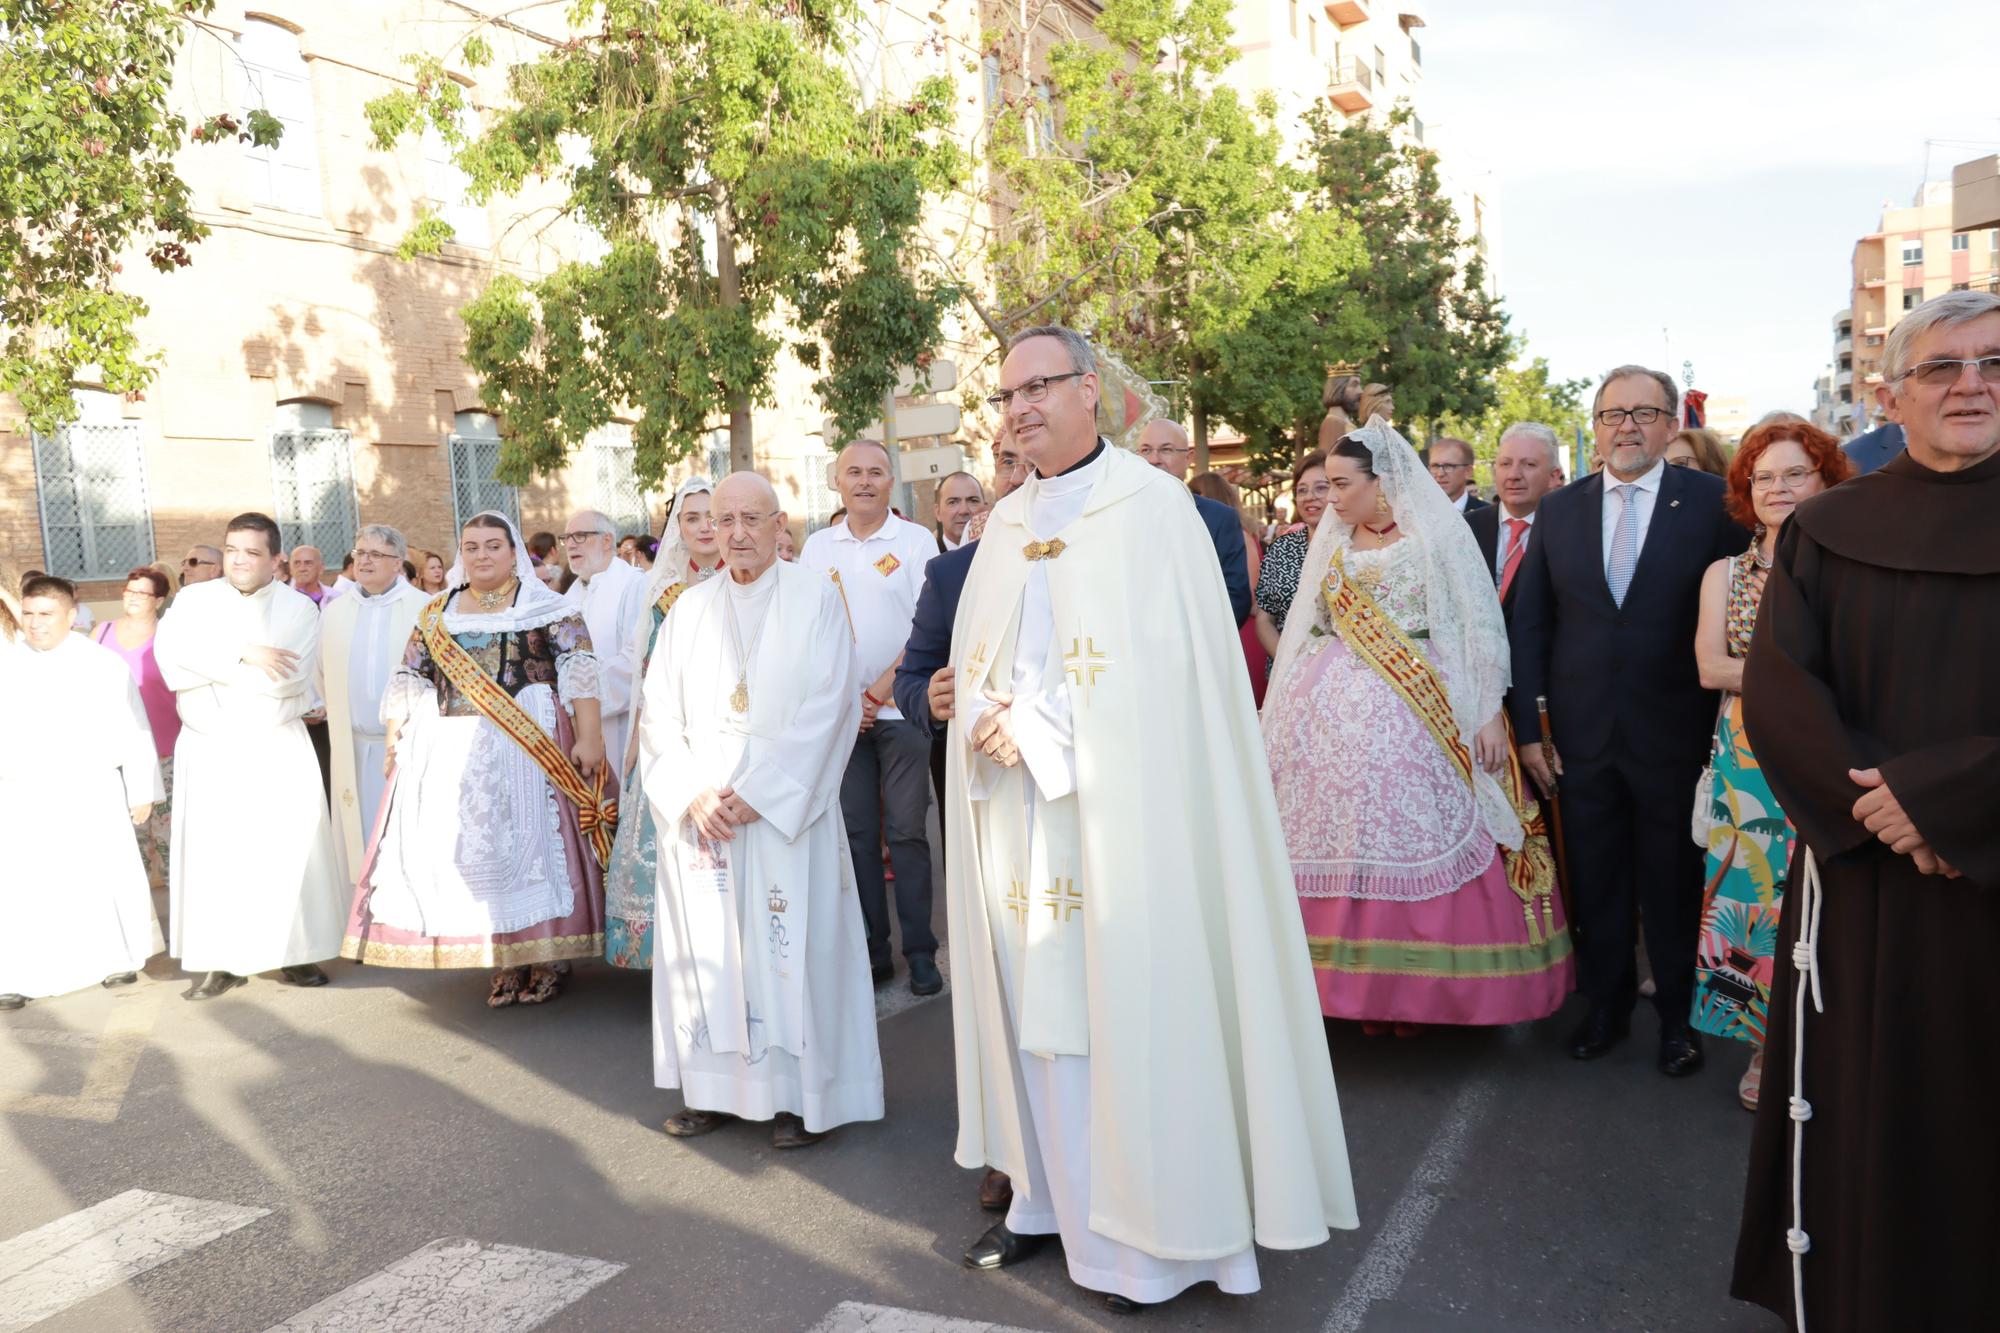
{"x": 1805, "y": 961}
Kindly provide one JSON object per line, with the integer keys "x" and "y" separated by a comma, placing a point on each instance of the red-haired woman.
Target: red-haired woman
{"x": 1783, "y": 461}
{"x": 131, "y": 637}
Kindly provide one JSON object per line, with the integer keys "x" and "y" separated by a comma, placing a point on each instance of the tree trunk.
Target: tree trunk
{"x": 1200, "y": 417}
{"x": 729, "y": 283}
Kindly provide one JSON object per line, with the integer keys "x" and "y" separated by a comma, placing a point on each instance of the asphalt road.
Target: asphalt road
{"x": 337, "y": 1133}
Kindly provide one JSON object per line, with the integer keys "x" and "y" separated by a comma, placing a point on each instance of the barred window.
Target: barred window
{"x": 90, "y": 477}
{"x": 614, "y": 486}
{"x": 718, "y": 456}
{"x": 312, "y": 480}
{"x": 821, "y": 497}
{"x": 475, "y": 452}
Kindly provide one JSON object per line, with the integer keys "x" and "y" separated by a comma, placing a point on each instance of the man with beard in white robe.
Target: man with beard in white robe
{"x": 254, "y": 882}
{"x": 77, "y": 763}
{"x": 362, "y": 635}
{"x": 1138, "y": 1037}
{"x": 612, "y": 597}
{"x": 763, "y": 1008}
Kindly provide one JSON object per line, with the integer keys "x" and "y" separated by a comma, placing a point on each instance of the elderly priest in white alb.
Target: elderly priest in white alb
{"x": 762, "y": 1004}
{"x": 612, "y": 596}
{"x": 77, "y": 770}
{"x": 1138, "y": 1037}
{"x": 255, "y": 885}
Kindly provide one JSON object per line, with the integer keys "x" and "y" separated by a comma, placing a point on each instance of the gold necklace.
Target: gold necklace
{"x": 739, "y": 698}
{"x": 498, "y": 598}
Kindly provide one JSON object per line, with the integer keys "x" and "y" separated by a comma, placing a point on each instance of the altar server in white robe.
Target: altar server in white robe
{"x": 1138, "y": 1040}
{"x": 612, "y": 596}
{"x": 254, "y": 881}
{"x": 362, "y": 635}
{"x": 763, "y": 1008}
{"x": 77, "y": 768}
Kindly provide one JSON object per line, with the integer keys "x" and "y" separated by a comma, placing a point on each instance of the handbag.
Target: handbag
{"x": 1702, "y": 822}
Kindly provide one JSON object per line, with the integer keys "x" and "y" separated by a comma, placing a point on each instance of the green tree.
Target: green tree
{"x": 1439, "y": 337}
{"x": 1148, "y": 204}
{"x": 87, "y": 180}
{"x": 749, "y": 200}
{"x": 1523, "y": 390}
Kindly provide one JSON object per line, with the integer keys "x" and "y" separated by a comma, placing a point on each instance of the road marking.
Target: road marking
{"x": 854, "y": 1317}
{"x": 109, "y": 1076}
{"x": 893, "y": 997}
{"x": 45, "y": 1271}
{"x": 457, "y": 1285}
{"x": 1380, "y": 1272}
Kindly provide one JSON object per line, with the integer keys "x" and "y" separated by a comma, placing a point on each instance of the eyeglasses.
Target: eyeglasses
{"x": 1643, "y": 416}
{"x": 1032, "y": 390}
{"x": 1680, "y": 462}
{"x": 748, "y": 522}
{"x": 1451, "y": 467}
{"x": 1938, "y": 374}
{"x": 572, "y": 538}
{"x": 191, "y": 562}
{"x": 360, "y": 555}
{"x": 1319, "y": 492}
{"x": 1162, "y": 450}
{"x": 1793, "y": 477}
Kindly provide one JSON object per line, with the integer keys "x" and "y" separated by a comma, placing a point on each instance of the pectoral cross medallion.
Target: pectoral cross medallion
{"x": 739, "y": 698}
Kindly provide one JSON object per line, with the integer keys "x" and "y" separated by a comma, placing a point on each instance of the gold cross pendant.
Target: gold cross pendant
{"x": 1047, "y": 550}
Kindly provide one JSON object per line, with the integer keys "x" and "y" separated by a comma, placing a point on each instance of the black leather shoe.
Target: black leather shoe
{"x": 12, "y": 1001}
{"x": 119, "y": 979}
{"x": 1124, "y": 1304}
{"x": 925, "y": 979}
{"x": 1680, "y": 1051}
{"x": 883, "y": 971}
{"x": 214, "y": 984}
{"x": 305, "y": 974}
{"x": 1000, "y": 1248}
{"x": 1599, "y": 1031}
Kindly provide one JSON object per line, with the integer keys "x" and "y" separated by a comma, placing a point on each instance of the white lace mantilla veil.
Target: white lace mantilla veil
{"x": 671, "y": 561}
{"x": 537, "y": 605}
{"x": 1468, "y": 636}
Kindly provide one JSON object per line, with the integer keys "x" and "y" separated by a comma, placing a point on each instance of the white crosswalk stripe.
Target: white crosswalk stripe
{"x": 45, "y": 1271}
{"x": 457, "y": 1286}
{"x": 855, "y": 1317}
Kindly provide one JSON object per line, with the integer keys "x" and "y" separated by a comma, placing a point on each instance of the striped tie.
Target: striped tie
{"x": 1517, "y": 546}
{"x": 1624, "y": 545}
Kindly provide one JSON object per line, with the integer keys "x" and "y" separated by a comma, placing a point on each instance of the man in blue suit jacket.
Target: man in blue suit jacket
{"x": 1872, "y": 449}
{"x": 1165, "y": 445}
{"x": 1604, "y": 617}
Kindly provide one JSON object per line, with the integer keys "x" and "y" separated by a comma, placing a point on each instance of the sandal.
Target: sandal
{"x": 507, "y": 983}
{"x": 691, "y": 1123}
{"x": 1752, "y": 1081}
{"x": 544, "y": 984}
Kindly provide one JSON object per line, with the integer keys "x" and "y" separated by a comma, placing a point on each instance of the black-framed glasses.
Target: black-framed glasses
{"x": 1945, "y": 371}
{"x": 574, "y": 537}
{"x": 1643, "y": 416}
{"x": 1451, "y": 467}
{"x": 192, "y": 562}
{"x": 1032, "y": 390}
{"x": 359, "y": 554}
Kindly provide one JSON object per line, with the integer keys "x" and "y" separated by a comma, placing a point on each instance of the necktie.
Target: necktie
{"x": 1624, "y": 545}
{"x": 1517, "y": 546}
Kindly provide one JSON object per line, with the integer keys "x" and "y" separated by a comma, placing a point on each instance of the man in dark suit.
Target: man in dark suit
{"x": 1165, "y": 445}
{"x": 1603, "y": 626}
{"x": 1872, "y": 449}
{"x": 1524, "y": 471}
{"x": 1451, "y": 461}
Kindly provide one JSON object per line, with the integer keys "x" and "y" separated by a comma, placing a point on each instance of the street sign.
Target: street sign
{"x": 912, "y": 423}
{"x": 930, "y": 464}
{"x": 939, "y": 376}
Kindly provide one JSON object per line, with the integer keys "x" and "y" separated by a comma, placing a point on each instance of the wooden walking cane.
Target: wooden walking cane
{"x": 1556, "y": 812}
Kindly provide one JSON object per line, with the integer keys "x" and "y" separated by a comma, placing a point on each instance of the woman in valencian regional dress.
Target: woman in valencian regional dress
{"x": 499, "y": 816}
{"x": 689, "y": 552}
{"x": 1422, "y": 867}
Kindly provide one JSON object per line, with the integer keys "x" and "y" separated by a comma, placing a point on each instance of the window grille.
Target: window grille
{"x": 91, "y": 480}
{"x": 312, "y": 485}
{"x": 821, "y": 498}
{"x": 614, "y": 485}
{"x": 475, "y": 453}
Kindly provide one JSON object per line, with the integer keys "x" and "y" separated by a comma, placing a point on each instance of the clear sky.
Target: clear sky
{"x": 1702, "y": 167}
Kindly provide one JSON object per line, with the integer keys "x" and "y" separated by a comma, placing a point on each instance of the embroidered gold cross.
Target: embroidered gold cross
{"x": 975, "y": 666}
{"x": 1063, "y": 900}
{"x": 1047, "y": 550}
{"x": 1017, "y": 900}
{"x": 1083, "y": 664}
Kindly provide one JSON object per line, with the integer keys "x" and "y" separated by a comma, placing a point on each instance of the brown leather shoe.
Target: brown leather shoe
{"x": 996, "y": 1192}
{"x": 788, "y": 1131}
{"x": 691, "y": 1123}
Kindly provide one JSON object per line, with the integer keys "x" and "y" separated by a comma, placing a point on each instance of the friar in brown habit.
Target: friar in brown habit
{"x": 1872, "y": 698}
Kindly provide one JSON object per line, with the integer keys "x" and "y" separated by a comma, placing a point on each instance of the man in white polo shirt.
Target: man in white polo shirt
{"x": 878, "y": 560}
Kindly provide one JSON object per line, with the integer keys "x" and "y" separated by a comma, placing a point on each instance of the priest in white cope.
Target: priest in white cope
{"x": 77, "y": 769}
{"x": 612, "y": 596}
{"x": 362, "y": 636}
{"x": 1138, "y": 1039}
{"x": 763, "y": 1008}
{"x": 254, "y": 883}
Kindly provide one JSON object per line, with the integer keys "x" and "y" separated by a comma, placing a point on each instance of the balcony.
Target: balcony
{"x": 1843, "y": 345}
{"x": 1347, "y": 13}
{"x": 1843, "y": 379}
{"x": 1873, "y": 278}
{"x": 1352, "y": 88}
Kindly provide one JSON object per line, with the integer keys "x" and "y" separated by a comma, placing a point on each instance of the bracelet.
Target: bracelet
{"x": 872, "y": 699}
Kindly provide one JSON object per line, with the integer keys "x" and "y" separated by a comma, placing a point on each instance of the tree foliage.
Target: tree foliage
{"x": 1523, "y": 390}
{"x": 749, "y": 201}
{"x": 87, "y": 179}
